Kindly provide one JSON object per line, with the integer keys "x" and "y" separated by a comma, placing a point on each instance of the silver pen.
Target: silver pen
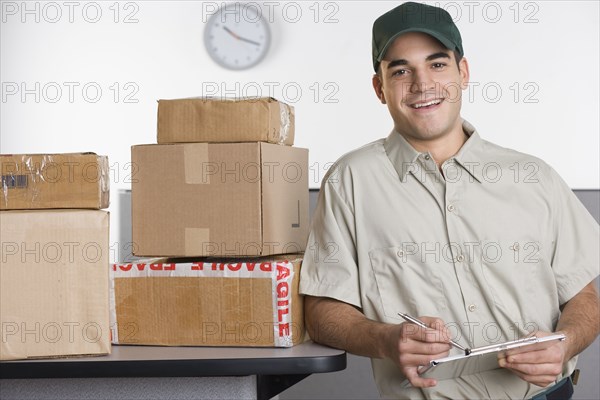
{"x": 422, "y": 325}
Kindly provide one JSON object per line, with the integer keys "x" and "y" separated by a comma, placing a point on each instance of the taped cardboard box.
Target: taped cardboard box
{"x": 219, "y": 199}
{"x": 208, "y": 303}
{"x": 261, "y": 119}
{"x": 54, "y": 283}
{"x": 35, "y": 181}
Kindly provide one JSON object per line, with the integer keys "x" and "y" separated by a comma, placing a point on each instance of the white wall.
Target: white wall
{"x": 546, "y": 53}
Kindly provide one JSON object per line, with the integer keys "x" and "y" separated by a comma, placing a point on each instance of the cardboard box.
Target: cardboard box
{"x": 214, "y": 303}
{"x": 219, "y": 199}
{"x": 34, "y": 181}
{"x": 54, "y": 283}
{"x": 211, "y": 120}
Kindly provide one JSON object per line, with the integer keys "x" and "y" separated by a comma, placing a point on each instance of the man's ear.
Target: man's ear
{"x": 463, "y": 67}
{"x": 378, "y": 86}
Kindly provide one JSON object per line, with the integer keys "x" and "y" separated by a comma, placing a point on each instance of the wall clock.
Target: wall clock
{"x": 237, "y": 37}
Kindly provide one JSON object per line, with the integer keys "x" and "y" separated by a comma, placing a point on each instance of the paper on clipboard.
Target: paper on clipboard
{"x": 479, "y": 360}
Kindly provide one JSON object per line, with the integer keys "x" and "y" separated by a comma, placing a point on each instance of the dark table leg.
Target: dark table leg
{"x": 268, "y": 386}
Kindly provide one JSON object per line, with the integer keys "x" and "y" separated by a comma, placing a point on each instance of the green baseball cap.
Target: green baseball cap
{"x": 414, "y": 17}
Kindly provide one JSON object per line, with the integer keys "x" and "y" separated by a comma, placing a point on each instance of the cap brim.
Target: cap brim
{"x": 447, "y": 43}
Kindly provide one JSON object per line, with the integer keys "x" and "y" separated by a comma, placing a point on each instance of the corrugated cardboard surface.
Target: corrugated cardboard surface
{"x": 219, "y": 199}
{"x": 227, "y": 303}
{"x": 54, "y": 283}
{"x": 221, "y": 120}
{"x": 285, "y": 198}
{"x": 35, "y": 181}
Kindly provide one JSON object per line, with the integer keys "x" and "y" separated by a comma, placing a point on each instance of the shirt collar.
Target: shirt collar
{"x": 403, "y": 156}
{"x": 469, "y": 156}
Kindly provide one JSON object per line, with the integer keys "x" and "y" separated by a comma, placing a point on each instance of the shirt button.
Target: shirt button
{"x": 472, "y": 307}
{"x": 460, "y": 258}
{"x": 400, "y": 253}
{"x": 427, "y": 157}
{"x": 451, "y": 208}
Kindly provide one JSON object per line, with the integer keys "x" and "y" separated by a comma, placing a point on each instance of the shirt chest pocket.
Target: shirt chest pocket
{"x": 405, "y": 284}
{"x": 515, "y": 271}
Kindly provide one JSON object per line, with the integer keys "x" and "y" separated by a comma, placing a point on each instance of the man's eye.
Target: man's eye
{"x": 439, "y": 65}
{"x": 399, "y": 72}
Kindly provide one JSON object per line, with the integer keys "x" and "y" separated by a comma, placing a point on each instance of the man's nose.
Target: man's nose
{"x": 422, "y": 82}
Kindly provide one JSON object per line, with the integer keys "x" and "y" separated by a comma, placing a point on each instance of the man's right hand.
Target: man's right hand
{"x": 411, "y": 346}
{"x": 343, "y": 326}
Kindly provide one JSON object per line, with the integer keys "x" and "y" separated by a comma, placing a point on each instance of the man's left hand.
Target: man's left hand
{"x": 539, "y": 364}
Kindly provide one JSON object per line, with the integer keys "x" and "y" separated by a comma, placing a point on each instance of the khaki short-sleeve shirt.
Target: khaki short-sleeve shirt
{"x": 493, "y": 246}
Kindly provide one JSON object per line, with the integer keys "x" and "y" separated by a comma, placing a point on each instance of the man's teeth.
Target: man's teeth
{"x": 430, "y": 103}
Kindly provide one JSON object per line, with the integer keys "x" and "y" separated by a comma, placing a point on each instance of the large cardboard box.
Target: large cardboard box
{"x": 34, "y": 181}
{"x": 223, "y": 120}
{"x": 207, "y": 303}
{"x": 54, "y": 283}
{"x": 219, "y": 199}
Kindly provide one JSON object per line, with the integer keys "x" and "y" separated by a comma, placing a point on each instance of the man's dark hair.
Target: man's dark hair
{"x": 457, "y": 57}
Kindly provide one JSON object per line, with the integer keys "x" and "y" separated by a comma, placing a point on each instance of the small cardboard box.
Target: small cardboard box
{"x": 34, "y": 181}
{"x": 219, "y": 200}
{"x": 54, "y": 283}
{"x": 222, "y": 120}
{"x": 207, "y": 303}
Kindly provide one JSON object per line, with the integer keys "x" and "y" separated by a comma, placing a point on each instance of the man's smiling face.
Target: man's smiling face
{"x": 422, "y": 85}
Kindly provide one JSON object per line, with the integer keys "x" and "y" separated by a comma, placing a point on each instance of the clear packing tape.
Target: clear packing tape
{"x": 42, "y": 181}
{"x": 284, "y": 112}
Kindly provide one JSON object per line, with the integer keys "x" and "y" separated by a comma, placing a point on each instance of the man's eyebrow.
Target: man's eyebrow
{"x": 401, "y": 61}
{"x": 440, "y": 54}
{"x": 395, "y": 63}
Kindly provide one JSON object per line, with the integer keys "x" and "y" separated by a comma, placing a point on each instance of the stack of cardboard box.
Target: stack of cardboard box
{"x": 54, "y": 255}
{"x": 224, "y": 182}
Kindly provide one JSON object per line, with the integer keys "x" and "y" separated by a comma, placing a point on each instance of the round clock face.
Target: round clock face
{"x": 237, "y": 37}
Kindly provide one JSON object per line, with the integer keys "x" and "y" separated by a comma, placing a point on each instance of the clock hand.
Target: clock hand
{"x": 239, "y": 37}
{"x": 231, "y": 32}
{"x": 249, "y": 41}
